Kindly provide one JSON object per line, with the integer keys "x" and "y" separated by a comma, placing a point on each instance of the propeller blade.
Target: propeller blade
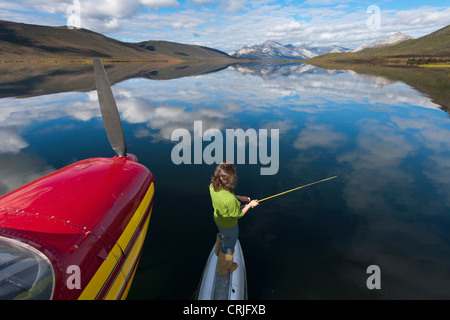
{"x": 108, "y": 107}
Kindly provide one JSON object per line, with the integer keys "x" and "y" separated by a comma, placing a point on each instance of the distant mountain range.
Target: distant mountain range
{"x": 271, "y": 50}
{"x": 394, "y": 39}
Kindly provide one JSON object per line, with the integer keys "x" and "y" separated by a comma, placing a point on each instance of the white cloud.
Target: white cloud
{"x": 107, "y": 16}
{"x": 421, "y": 18}
{"x": 287, "y": 29}
{"x": 11, "y": 142}
{"x": 160, "y": 3}
{"x": 20, "y": 168}
{"x": 318, "y": 135}
{"x": 381, "y": 152}
{"x": 233, "y": 6}
{"x": 290, "y": 27}
{"x": 326, "y": 2}
{"x": 201, "y": 2}
{"x": 113, "y": 16}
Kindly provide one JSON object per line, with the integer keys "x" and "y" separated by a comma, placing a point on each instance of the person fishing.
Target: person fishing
{"x": 227, "y": 212}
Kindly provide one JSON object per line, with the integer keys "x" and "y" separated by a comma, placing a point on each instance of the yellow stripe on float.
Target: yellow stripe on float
{"x": 124, "y": 242}
{"x": 136, "y": 220}
{"x": 103, "y": 274}
{"x": 127, "y": 267}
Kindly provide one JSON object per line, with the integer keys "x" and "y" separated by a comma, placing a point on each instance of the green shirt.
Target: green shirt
{"x": 227, "y": 209}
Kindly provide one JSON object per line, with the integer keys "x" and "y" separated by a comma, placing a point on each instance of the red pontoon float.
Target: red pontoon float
{"x": 78, "y": 232}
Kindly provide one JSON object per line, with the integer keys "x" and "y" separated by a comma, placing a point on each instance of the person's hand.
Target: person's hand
{"x": 253, "y": 203}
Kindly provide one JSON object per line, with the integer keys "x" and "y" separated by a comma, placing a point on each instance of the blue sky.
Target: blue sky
{"x": 230, "y": 24}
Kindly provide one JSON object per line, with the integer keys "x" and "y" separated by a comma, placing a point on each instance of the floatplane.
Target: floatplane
{"x": 78, "y": 232}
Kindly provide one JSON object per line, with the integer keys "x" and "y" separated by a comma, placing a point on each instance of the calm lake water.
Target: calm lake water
{"x": 388, "y": 142}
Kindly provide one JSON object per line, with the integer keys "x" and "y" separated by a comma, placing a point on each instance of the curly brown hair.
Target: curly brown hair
{"x": 224, "y": 177}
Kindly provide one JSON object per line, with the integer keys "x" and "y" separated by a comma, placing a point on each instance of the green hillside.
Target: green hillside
{"x": 21, "y": 42}
{"x": 432, "y": 48}
{"x": 25, "y": 42}
{"x": 184, "y": 51}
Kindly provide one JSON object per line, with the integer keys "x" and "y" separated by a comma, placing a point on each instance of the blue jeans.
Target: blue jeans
{"x": 229, "y": 238}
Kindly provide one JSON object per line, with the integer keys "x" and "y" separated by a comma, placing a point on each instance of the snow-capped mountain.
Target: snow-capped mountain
{"x": 271, "y": 50}
{"x": 394, "y": 39}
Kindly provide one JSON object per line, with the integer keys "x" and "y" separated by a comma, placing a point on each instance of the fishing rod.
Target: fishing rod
{"x": 304, "y": 186}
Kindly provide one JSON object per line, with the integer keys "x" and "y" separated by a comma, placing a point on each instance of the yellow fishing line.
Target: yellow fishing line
{"x": 306, "y": 185}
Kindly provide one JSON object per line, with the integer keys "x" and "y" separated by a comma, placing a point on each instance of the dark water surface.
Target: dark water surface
{"x": 388, "y": 142}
